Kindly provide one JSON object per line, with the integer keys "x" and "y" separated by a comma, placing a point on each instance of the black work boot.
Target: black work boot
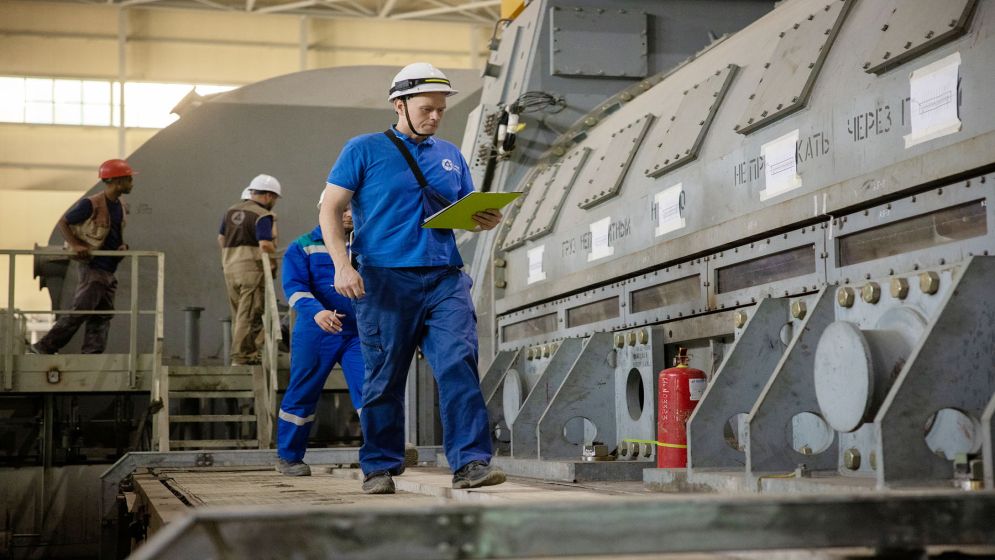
{"x": 476, "y": 474}
{"x": 379, "y": 482}
{"x": 298, "y": 468}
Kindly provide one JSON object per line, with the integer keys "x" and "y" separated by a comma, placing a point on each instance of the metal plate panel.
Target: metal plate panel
{"x": 917, "y": 27}
{"x": 677, "y": 142}
{"x": 770, "y": 248}
{"x": 943, "y": 249}
{"x": 668, "y": 286}
{"x": 535, "y": 191}
{"x": 792, "y": 70}
{"x": 606, "y": 177}
{"x": 556, "y": 192}
{"x": 598, "y": 42}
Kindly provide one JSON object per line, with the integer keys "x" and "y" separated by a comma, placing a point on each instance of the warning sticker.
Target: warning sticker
{"x": 697, "y": 388}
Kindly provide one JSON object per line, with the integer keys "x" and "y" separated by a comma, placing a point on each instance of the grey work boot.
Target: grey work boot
{"x": 379, "y": 482}
{"x": 410, "y": 455}
{"x": 299, "y": 468}
{"x": 476, "y": 474}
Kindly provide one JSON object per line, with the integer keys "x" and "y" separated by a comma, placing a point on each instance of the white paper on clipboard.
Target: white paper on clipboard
{"x": 933, "y": 100}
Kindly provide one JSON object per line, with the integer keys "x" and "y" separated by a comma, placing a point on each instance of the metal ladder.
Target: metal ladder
{"x": 210, "y": 384}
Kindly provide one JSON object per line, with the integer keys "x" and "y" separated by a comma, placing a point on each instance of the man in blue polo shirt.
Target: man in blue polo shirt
{"x": 410, "y": 290}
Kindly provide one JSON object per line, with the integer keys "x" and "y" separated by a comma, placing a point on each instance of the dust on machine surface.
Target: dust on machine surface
{"x": 743, "y": 304}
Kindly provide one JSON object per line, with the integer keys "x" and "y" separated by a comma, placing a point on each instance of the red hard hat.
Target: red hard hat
{"x": 115, "y": 168}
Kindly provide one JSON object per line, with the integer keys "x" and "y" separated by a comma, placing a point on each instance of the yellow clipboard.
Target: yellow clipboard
{"x": 459, "y": 215}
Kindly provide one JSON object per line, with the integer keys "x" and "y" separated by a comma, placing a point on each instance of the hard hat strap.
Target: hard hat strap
{"x": 404, "y": 101}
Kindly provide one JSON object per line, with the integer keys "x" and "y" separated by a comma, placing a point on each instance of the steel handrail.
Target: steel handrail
{"x": 272, "y": 335}
{"x": 9, "y": 312}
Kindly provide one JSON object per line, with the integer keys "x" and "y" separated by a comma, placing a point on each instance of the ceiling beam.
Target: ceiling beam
{"x": 286, "y": 7}
{"x": 387, "y": 7}
{"x": 461, "y": 8}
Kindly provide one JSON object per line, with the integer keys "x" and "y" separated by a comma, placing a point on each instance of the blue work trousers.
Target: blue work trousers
{"x": 313, "y": 354}
{"x": 430, "y": 308}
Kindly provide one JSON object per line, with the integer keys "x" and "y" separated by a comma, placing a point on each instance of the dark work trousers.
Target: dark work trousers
{"x": 94, "y": 292}
{"x": 428, "y": 307}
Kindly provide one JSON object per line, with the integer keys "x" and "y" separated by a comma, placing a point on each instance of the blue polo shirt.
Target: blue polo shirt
{"x": 387, "y": 203}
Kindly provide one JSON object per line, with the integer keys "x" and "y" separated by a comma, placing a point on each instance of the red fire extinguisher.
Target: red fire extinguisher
{"x": 680, "y": 388}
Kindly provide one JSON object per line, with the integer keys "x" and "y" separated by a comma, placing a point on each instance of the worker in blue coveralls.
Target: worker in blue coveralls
{"x": 410, "y": 290}
{"x": 324, "y": 334}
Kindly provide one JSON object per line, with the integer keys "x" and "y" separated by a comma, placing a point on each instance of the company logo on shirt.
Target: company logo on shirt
{"x": 448, "y": 165}
{"x": 238, "y": 217}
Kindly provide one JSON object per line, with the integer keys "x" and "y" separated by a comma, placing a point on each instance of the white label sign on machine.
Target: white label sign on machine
{"x": 668, "y": 209}
{"x": 535, "y": 264}
{"x": 933, "y": 100}
{"x": 600, "y": 241}
{"x": 780, "y": 166}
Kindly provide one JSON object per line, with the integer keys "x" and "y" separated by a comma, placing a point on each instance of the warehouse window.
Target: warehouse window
{"x": 92, "y": 102}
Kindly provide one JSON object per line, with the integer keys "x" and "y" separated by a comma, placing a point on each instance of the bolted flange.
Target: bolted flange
{"x": 739, "y": 319}
{"x": 929, "y": 282}
{"x": 798, "y": 310}
{"x": 899, "y": 288}
{"x": 851, "y": 458}
{"x": 845, "y": 296}
{"x": 870, "y": 292}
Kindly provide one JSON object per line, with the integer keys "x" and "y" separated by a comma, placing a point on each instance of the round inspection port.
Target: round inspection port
{"x": 635, "y": 394}
{"x": 580, "y": 431}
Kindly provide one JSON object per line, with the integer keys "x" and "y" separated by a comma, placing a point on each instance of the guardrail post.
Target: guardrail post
{"x": 8, "y": 337}
{"x": 191, "y": 332}
{"x": 133, "y": 327}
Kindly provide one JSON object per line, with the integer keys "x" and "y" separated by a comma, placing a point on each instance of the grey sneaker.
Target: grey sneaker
{"x": 476, "y": 474}
{"x": 410, "y": 455}
{"x": 299, "y": 468}
{"x": 379, "y": 482}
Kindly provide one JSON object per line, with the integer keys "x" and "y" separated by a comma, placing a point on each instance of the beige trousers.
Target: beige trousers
{"x": 246, "y": 299}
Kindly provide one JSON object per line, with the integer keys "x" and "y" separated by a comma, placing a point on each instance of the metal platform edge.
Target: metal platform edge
{"x": 886, "y": 522}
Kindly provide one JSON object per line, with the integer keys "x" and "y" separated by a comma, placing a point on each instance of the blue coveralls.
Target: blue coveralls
{"x": 416, "y": 295}
{"x": 308, "y": 283}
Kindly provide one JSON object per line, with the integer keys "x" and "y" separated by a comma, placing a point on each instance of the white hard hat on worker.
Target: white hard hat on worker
{"x": 419, "y": 77}
{"x": 265, "y": 183}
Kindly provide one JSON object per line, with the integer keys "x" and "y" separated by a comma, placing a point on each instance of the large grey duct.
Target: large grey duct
{"x": 291, "y": 127}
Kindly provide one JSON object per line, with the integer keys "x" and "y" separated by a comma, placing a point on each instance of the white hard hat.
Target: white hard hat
{"x": 246, "y": 195}
{"x": 266, "y": 183}
{"x": 420, "y": 77}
